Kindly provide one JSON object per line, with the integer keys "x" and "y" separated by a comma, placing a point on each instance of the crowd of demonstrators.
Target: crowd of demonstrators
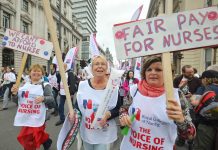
{"x": 153, "y": 117}
{"x": 72, "y": 82}
{"x": 9, "y": 79}
{"x": 188, "y": 84}
{"x": 54, "y": 80}
{"x": 89, "y": 97}
{"x": 207, "y": 122}
{"x": 35, "y": 92}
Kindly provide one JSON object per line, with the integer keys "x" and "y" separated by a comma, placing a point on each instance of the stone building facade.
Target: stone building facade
{"x": 27, "y": 16}
{"x": 198, "y": 58}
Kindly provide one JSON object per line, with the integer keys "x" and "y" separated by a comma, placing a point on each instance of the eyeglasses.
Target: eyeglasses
{"x": 99, "y": 64}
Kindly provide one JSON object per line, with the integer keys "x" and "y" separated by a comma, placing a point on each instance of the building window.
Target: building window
{"x": 209, "y": 2}
{"x": 7, "y": 57}
{"x": 65, "y": 31}
{"x": 25, "y": 5}
{"x": 49, "y": 37}
{"x": 28, "y": 61}
{"x": 6, "y": 20}
{"x": 208, "y": 57}
{"x": 65, "y": 4}
{"x": 24, "y": 27}
{"x": 58, "y": 4}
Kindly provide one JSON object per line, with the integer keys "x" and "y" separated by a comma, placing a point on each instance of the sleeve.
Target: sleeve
{"x": 175, "y": 83}
{"x": 187, "y": 129}
{"x": 126, "y": 86}
{"x": 72, "y": 82}
{"x": 115, "y": 111}
{"x": 48, "y": 97}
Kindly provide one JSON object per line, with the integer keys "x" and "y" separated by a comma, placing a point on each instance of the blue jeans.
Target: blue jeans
{"x": 88, "y": 146}
{"x": 61, "y": 107}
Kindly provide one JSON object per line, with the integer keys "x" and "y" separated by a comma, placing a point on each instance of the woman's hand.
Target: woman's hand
{"x": 39, "y": 99}
{"x": 174, "y": 111}
{"x": 125, "y": 120}
{"x": 103, "y": 121}
{"x": 71, "y": 117}
{"x": 14, "y": 89}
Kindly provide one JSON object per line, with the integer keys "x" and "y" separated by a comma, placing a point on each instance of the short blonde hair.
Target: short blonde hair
{"x": 37, "y": 67}
{"x": 99, "y": 57}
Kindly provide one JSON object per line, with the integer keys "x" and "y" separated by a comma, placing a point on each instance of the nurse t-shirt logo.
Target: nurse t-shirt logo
{"x": 25, "y": 94}
{"x": 137, "y": 113}
{"x": 138, "y": 65}
{"x": 87, "y": 104}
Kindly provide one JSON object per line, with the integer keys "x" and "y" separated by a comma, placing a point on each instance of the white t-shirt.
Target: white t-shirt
{"x": 62, "y": 92}
{"x": 53, "y": 80}
{"x": 151, "y": 129}
{"x": 88, "y": 101}
{"x": 29, "y": 113}
{"x": 9, "y": 77}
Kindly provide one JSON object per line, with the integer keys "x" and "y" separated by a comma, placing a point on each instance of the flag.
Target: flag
{"x": 137, "y": 68}
{"x": 70, "y": 57}
{"x": 93, "y": 46}
{"x": 137, "y": 14}
{"x": 54, "y": 61}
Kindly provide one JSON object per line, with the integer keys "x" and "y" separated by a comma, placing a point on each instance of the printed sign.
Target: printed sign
{"x": 178, "y": 31}
{"x": 27, "y": 44}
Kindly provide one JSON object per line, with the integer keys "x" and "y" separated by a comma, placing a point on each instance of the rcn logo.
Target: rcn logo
{"x": 137, "y": 113}
{"x": 138, "y": 65}
{"x": 25, "y": 94}
{"x": 87, "y": 104}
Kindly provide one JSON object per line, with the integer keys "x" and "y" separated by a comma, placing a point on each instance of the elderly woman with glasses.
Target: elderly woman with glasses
{"x": 89, "y": 96}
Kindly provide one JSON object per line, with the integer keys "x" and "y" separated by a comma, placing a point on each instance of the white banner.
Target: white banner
{"x": 137, "y": 69}
{"x": 27, "y": 44}
{"x": 93, "y": 46}
{"x": 137, "y": 13}
{"x": 178, "y": 31}
{"x": 70, "y": 57}
{"x": 114, "y": 80}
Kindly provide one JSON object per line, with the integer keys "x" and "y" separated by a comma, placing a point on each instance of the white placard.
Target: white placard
{"x": 29, "y": 44}
{"x": 178, "y": 31}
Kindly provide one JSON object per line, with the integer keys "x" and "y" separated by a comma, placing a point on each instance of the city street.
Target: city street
{"x": 8, "y": 132}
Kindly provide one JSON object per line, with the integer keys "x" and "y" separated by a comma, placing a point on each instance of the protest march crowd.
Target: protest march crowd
{"x": 106, "y": 99}
{"x": 145, "y": 120}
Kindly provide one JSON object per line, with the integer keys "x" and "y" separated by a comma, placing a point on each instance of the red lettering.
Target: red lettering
{"x": 193, "y": 19}
{"x": 206, "y": 33}
{"x": 126, "y": 48}
{"x": 196, "y": 32}
{"x": 158, "y": 25}
{"x": 136, "y": 46}
{"x": 181, "y": 20}
{"x": 137, "y": 30}
{"x": 186, "y": 36}
{"x": 147, "y": 44}
{"x": 203, "y": 17}
{"x": 215, "y": 30}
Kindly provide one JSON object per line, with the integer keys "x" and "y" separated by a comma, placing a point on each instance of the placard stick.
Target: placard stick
{"x": 52, "y": 29}
{"x": 20, "y": 72}
{"x": 166, "y": 62}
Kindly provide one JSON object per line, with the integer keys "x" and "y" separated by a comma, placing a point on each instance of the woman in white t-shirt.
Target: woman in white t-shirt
{"x": 89, "y": 96}
{"x": 9, "y": 79}
{"x": 153, "y": 124}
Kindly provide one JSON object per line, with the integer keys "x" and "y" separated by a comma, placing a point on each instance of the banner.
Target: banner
{"x": 137, "y": 13}
{"x": 93, "y": 46}
{"x": 113, "y": 82}
{"x": 27, "y": 44}
{"x": 178, "y": 31}
{"x": 68, "y": 132}
{"x": 70, "y": 57}
{"x": 137, "y": 69}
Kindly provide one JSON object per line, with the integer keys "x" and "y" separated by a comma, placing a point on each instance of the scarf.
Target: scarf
{"x": 150, "y": 91}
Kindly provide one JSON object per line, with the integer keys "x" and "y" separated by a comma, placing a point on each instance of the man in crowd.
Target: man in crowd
{"x": 188, "y": 84}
